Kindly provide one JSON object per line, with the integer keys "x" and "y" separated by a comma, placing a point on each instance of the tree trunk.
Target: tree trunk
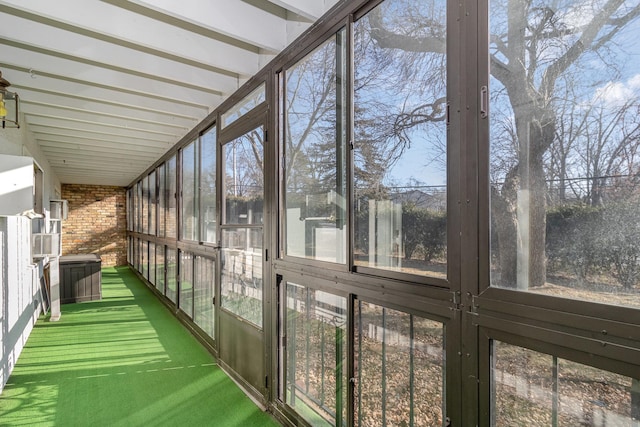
{"x": 537, "y": 225}
{"x": 562, "y": 195}
{"x": 505, "y": 222}
{"x": 519, "y": 209}
{"x": 535, "y": 135}
{"x": 519, "y": 214}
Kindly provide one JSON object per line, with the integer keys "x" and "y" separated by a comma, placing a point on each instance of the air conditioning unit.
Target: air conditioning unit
{"x": 59, "y": 209}
{"x": 46, "y": 244}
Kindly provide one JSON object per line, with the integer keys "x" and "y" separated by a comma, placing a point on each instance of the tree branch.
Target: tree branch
{"x": 391, "y": 40}
{"x": 585, "y": 42}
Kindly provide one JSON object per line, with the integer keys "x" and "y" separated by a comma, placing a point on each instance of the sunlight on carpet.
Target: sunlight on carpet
{"x": 121, "y": 361}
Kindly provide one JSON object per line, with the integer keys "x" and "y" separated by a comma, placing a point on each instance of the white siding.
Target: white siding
{"x": 19, "y": 291}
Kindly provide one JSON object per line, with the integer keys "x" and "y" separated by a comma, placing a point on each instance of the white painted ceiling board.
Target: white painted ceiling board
{"x": 108, "y": 86}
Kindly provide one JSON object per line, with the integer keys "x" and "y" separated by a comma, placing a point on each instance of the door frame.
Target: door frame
{"x": 238, "y": 354}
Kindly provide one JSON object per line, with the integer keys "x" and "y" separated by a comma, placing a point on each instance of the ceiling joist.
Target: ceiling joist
{"x": 108, "y": 86}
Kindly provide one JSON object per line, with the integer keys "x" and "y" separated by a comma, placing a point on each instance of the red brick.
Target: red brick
{"x": 96, "y": 222}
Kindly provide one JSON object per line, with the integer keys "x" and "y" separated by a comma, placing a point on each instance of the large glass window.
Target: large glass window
{"x": 130, "y": 207}
{"x": 241, "y": 275}
{"x": 185, "y": 301}
{"x": 171, "y": 288}
{"x": 137, "y": 226}
{"x": 400, "y": 137}
{"x": 144, "y": 259}
{"x": 244, "y": 177}
{"x": 190, "y": 216}
{"x": 242, "y": 246}
{"x": 134, "y": 207}
{"x": 152, "y": 203}
{"x": 208, "y": 147}
{"x": 162, "y": 199}
{"x": 316, "y": 344}
{"x": 314, "y": 135}
{"x": 139, "y": 215}
{"x": 130, "y": 250}
{"x": 204, "y": 285}
{"x": 152, "y": 263}
{"x": 171, "y": 198}
{"x": 145, "y": 204}
{"x": 532, "y": 388}
{"x": 399, "y": 368}
{"x": 564, "y": 155}
{"x": 136, "y": 254}
{"x": 160, "y": 280}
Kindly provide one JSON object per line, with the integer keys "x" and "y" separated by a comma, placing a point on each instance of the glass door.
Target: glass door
{"x": 241, "y": 256}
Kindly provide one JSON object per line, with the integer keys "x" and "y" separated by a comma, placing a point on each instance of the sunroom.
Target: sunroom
{"x": 369, "y": 212}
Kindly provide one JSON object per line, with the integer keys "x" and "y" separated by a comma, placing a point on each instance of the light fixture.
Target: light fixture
{"x": 8, "y": 105}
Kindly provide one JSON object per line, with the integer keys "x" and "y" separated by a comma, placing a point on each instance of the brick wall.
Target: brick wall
{"x": 97, "y": 222}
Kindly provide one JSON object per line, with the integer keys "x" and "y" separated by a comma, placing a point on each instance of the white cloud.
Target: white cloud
{"x": 634, "y": 82}
{"x": 615, "y": 94}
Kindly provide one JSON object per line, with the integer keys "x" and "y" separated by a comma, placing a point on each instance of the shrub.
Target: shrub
{"x": 590, "y": 240}
{"x": 423, "y": 229}
{"x": 618, "y": 242}
{"x": 572, "y": 240}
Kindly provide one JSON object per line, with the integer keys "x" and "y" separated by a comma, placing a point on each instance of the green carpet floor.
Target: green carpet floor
{"x": 121, "y": 361}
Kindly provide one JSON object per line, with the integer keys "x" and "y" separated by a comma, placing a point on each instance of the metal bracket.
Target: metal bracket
{"x": 474, "y": 306}
{"x": 456, "y": 300}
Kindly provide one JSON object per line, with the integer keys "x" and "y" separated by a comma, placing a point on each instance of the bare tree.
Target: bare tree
{"x": 595, "y": 143}
{"x": 611, "y": 143}
{"x": 244, "y": 165}
{"x": 569, "y": 131}
{"x": 400, "y": 86}
{"x": 310, "y": 108}
{"x": 534, "y": 44}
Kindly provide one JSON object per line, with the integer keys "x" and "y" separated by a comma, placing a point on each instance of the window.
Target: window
{"x": 130, "y": 250}
{"x": 532, "y": 388}
{"x": 316, "y": 351}
{"x": 208, "y": 147}
{"x": 160, "y": 266}
{"x": 130, "y": 206}
{"x": 241, "y": 275}
{"x": 400, "y": 368}
{"x": 136, "y": 254}
{"x": 565, "y": 198}
{"x": 190, "y": 192}
{"x": 139, "y": 206}
{"x": 152, "y": 263}
{"x": 204, "y": 285}
{"x": 314, "y": 134}
{"x": 171, "y": 284}
{"x": 144, "y": 258}
{"x": 242, "y": 245}
{"x": 186, "y": 283}
{"x": 145, "y": 205}
{"x": 246, "y": 104}
{"x": 171, "y": 198}
{"x": 244, "y": 178}
{"x": 400, "y": 139}
{"x": 162, "y": 199}
{"x": 152, "y": 203}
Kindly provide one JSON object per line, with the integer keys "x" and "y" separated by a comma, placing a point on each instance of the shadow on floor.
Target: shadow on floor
{"x": 121, "y": 361}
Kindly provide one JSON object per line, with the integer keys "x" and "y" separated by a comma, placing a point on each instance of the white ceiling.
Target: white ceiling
{"x": 108, "y": 86}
